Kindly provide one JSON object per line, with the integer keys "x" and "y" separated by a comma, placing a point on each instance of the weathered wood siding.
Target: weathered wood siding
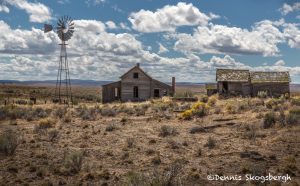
{"x": 162, "y": 88}
{"x": 108, "y": 92}
{"x": 143, "y": 82}
{"x": 235, "y": 88}
{"x": 273, "y": 89}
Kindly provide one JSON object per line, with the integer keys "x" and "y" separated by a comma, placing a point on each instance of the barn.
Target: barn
{"x": 233, "y": 82}
{"x": 136, "y": 85}
{"x": 273, "y": 83}
{"x": 246, "y": 83}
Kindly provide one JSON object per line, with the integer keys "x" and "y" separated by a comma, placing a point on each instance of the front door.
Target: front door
{"x": 156, "y": 93}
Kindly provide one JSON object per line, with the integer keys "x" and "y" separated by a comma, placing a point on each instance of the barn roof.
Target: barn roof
{"x": 260, "y": 77}
{"x": 232, "y": 75}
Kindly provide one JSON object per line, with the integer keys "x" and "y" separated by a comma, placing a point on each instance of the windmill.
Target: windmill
{"x": 64, "y": 30}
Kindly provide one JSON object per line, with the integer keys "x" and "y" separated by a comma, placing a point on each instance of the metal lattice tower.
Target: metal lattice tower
{"x": 63, "y": 91}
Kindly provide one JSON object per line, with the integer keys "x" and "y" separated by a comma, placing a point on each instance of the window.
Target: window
{"x": 116, "y": 92}
{"x": 135, "y": 92}
{"x": 135, "y": 75}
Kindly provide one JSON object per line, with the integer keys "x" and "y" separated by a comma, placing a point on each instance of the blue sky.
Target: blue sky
{"x": 186, "y": 39}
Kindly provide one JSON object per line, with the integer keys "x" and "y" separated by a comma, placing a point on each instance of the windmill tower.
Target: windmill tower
{"x": 64, "y": 30}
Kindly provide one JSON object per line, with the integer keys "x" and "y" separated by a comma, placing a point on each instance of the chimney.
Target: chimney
{"x": 173, "y": 85}
{"x": 138, "y": 64}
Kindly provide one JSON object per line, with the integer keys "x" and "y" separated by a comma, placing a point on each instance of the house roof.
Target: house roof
{"x": 136, "y": 67}
{"x": 232, "y": 75}
{"x": 115, "y": 82}
{"x": 260, "y": 77}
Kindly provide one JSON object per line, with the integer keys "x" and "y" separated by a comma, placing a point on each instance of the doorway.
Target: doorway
{"x": 156, "y": 93}
{"x": 225, "y": 87}
{"x": 136, "y": 92}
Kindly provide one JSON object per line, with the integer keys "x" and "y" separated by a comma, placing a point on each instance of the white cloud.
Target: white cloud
{"x": 168, "y": 18}
{"x": 279, "y": 63}
{"x": 162, "y": 49}
{"x": 262, "y": 39}
{"x": 111, "y": 25}
{"x": 38, "y": 12}
{"x": 292, "y": 34}
{"x": 4, "y": 8}
{"x": 89, "y": 26}
{"x": 63, "y": 1}
{"x": 94, "y": 2}
{"x": 286, "y": 8}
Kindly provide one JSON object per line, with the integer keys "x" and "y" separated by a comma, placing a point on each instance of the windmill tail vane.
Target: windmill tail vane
{"x": 64, "y": 30}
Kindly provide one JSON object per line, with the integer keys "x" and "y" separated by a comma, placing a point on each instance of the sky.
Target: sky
{"x": 185, "y": 39}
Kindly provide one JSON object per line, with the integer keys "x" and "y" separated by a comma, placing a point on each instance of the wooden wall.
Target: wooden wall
{"x": 108, "y": 92}
{"x": 236, "y": 88}
{"x": 273, "y": 89}
{"x": 143, "y": 83}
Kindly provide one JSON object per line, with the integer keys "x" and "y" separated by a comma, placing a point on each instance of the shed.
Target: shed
{"x": 233, "y": 82}
{"x": 273, "y": 83}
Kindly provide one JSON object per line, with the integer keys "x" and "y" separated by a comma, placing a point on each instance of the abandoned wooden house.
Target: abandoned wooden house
{"x": 246, "y": 83}
{"x": 136, "y": 85}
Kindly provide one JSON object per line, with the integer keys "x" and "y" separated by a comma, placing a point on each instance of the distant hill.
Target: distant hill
{"x": 75, "y": 82}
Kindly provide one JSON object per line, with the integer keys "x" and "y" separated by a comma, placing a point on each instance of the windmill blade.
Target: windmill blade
{"x": 47, "y": 28}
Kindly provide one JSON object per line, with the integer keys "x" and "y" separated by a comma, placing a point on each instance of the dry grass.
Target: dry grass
{"x": 140, "y": 143}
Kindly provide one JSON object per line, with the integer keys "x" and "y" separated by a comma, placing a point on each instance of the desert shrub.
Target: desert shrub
{"x": 203, "y": 98}
{"x": 46, "y": 123}
{"x": 212, "y": 100}
{"x": 111, "y": 127}
{"x": 295, "y": 101}
{"x": 250, "y": 132}
{"x": 169, "y": 177}
{"x": 107, "y": 111}
{"x": 198, "y": 109}
{"x": 291, "y": 119}
{"x": 187, "y": 115}
{"x": 167, "y": 131}
{"x": 295, "y": 110}
{"x": 262, "y": 94}
{"x": 199, "y": 152}
{"x": 256, "y": 102}
{"x": 60, "y": 112}
{"x": 130, "y": 142}
{"x": 231, "y": 108}
{"x": 274, "y": 102}
{"x": 269, "y": 120}
{"x": 282, "y": 117}
{"x": 289, "y": 165}
{"x": 293, "y": 116}
{"x": 140, "y": 111}
{"x": 160, "y": 106}
{"x": 8, "y": 142}
{"x": 53, "y": 134}
{"x": 72, "y": 161}
{"x": 68, "y": 117}
{"x": 242, "y": 105}
{"x": 211, "y": 143}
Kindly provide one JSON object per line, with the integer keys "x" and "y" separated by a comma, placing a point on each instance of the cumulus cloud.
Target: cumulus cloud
{"x": 162, "y": 49}
{"x": 292, "y": 34}
{"x": 286, "y": 8}
{"x": 111, "y": 25}
{"x": 262, "y": 39}
{"x": 168, "y": 18}
{"x": 279, "y": 63}
{"x": 4, "y": 8}
{"x": 38, "y": 12}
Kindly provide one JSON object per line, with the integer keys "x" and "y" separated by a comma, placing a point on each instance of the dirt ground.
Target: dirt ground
{"x": 150, "y": 144}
